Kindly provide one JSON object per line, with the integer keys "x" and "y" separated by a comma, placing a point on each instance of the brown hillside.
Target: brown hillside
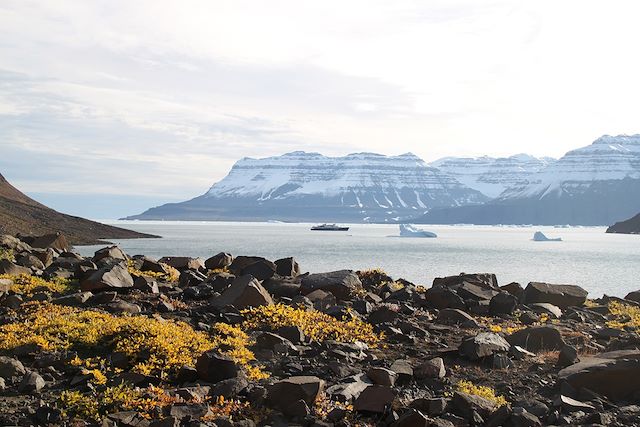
{"x": 21, "y": 214}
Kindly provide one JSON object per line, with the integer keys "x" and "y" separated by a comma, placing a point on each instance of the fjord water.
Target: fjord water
{"x": 601, "y": 263}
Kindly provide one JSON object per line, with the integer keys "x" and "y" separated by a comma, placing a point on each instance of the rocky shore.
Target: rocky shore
{"x": 125, "y": 340}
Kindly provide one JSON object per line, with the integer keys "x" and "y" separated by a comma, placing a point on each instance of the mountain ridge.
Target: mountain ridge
{"x": 598, "y": 184}
{"x": 300, "y": 186}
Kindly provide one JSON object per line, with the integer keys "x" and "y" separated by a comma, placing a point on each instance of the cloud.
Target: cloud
{"x": 161, "y": 97}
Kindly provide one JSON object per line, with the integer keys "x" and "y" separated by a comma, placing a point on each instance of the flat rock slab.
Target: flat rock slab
{"x": 615, "y": 374}
{"x": 562, "y": 296}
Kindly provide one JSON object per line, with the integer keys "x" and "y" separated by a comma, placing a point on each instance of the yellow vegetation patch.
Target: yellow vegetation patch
{"x": 482, "y": 391}
{"x": 7, "y": 254}
{"x": 625, "y": 315}
{"x": 28, "y": 285}
{"x": 153, "y": 347}
{"x": 317, "y": 326}
{"x": 172, "y": 274}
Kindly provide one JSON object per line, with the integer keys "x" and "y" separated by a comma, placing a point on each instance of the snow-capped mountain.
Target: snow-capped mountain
{"x": 608, "y": 158}
{"x": 489, "y": 175}
{"x": 594, "y": 185}
{"x": 300, "y": 186}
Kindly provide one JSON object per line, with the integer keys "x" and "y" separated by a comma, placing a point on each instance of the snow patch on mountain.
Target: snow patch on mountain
{"x": 608, "y": 158}
{"x": 492, "y": 176}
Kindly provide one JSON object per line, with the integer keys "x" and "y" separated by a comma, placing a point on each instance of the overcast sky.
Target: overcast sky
{"x": 136, "y": 103}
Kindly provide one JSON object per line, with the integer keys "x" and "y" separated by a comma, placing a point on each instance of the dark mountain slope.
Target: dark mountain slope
{"x": 21, "y": 214}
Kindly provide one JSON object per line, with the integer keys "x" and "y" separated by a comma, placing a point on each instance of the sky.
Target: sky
{"x": 108, "y": 107}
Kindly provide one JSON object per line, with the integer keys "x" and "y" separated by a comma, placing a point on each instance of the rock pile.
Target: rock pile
{"x": 265, "y": 344}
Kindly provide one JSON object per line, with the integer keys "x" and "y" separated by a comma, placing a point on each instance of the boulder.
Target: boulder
{"x": 503, "y": 303}
{"x": 112, "y": 252}
{"x": 562, "y": 296}
{"x": 182, "y": 262}
{"x": 403, "y": 369}
{"x": 483, "y": 280}
{"x": 115, "y": 277}
{"x": 514, "y": 288}
{"x": 412, "y": 418}
{"x": 340, "y": 283}
{"x": 615, "y": 374}
{"x": 285, "y": 394}
{"x": 32, "y": 382}
{"x": 454, "y": 316}
{"x": 287, "y": 267}
{"x": 245, "y": 291}
{"x": 8, "y": 267}
{"x": 441, "y": 297}
{"x": 382, "y": 376}
{"x": 374, "y": 398}
{"x": 537, "y": 338}
{"x": 633, "y": 296}
{"x": 433, "y": 368}
{"x": 30, "y": 261}
{"x": 218, "y": 261}
{"x": 482, "y": 345}
{"x": 258, "y": 267}
{"x": 10, "y": 368}
{"x": 465, "y": 405}
{"x": 56, "y": 241}
{"x": 214, "y": 367}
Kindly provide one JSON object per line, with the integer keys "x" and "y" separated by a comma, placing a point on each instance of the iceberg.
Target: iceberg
{"x": 408, "y": 230}
{"x": 539, "y": 236}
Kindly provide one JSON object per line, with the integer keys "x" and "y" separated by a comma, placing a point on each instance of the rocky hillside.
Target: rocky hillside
{"x": 491, "y": 176}
{"x": 21, "y": 214}
{"x": 630, "y": 226}
{"x": 301, "y": 186}
{"x": 594, "y": 185}
{"x": 114, "y": 340}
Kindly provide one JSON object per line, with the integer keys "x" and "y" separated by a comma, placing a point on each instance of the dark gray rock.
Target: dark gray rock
{"x": 433, "y": 368}
{"x": 245, "y": 291}
{"x": 11, "y": 369}
{"x": 258, "y": 267}
{"x": 466, "y": 404}
{"x": 503, "y": 303}
{"x": 454, "y": 316}
{"x": 412, "y": 418}
{"x": 538, "y": 338}
{"x": 568, "y": 356}
{"x": 562, "y": 296}
{"x": 340, "y": 283}
{"x": 287, "y": 267}
{"x": 285, "y": 394}
{"x": 382, "y": 376}
{"x": 31, "y": 383}
{"x": 183, "y": 262}
{"x": 112, "y": 252}
{"x": 482, "y": 345}
{"x": 56, "y": 241}
{"x": 116, "y": 277}
{"x": 213, "y": 367}
{"x": 374, "y": 398}
{"x": 614, "y": 374}
{"x": 220, "y": 260}
{"x": 8, "y": 267}
{"x": 483, "y": 280}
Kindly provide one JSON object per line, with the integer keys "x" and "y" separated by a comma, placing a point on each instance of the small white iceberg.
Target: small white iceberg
{"x": 539, "y": 236}
{"x": 408, "y": 230}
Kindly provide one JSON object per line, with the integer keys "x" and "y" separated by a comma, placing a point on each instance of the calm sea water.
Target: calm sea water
{"x": 601, "y": 263}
